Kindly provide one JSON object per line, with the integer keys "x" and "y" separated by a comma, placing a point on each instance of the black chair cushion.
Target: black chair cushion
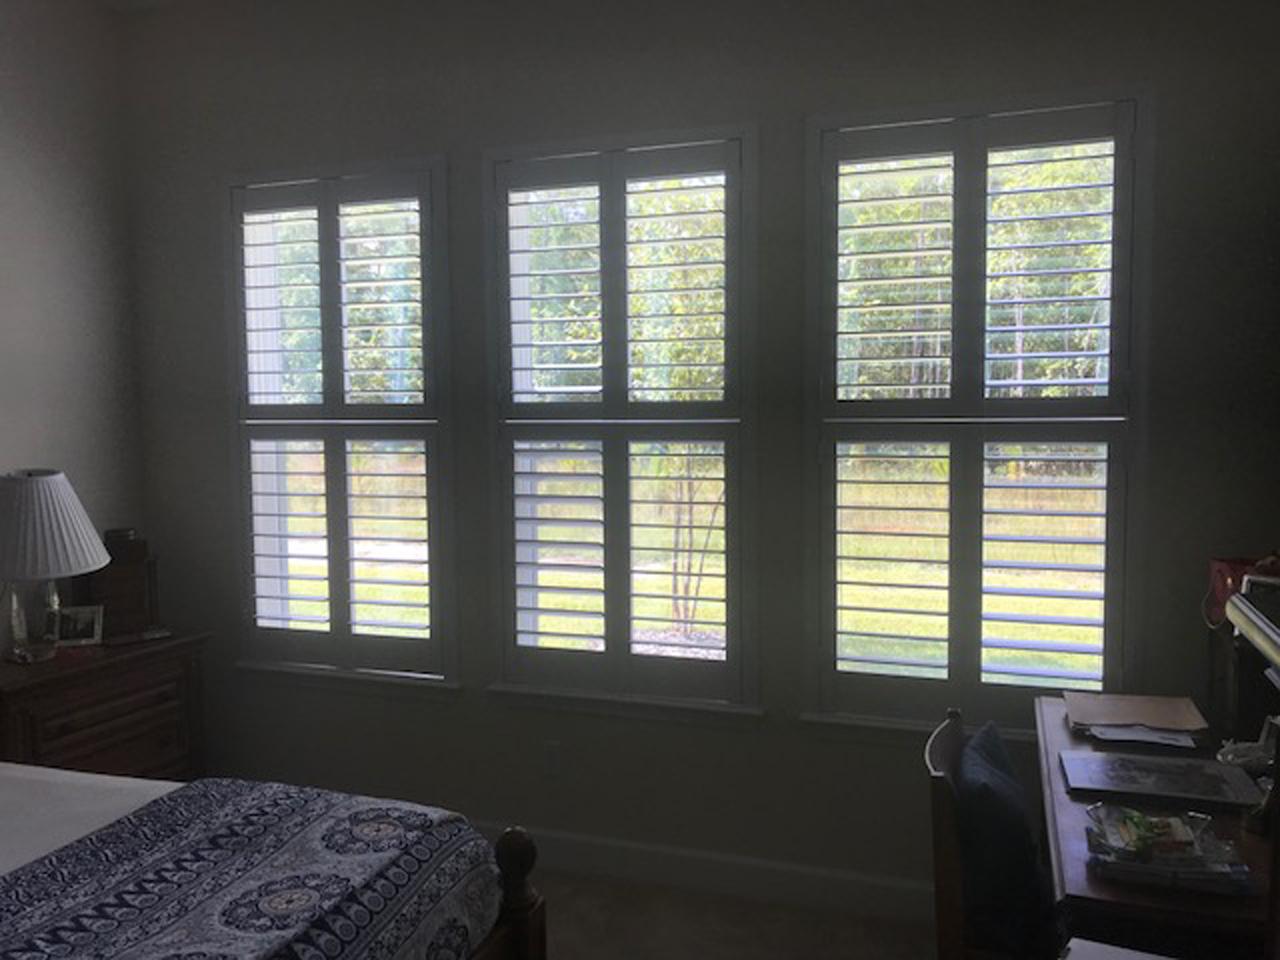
{"x": 1007, "y": 902}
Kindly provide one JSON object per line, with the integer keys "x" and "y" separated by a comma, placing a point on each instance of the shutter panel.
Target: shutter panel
{"x": 676, "y": 288}
{"x": 678, "y": 558}
{"x": 1049, "y": 257}
{"x": 893, "y": 278}
{"x": 290, "y": 534}
{"x": 559, "y": 537}
{"x": 1044, "y": 563}
{"x": 380, "y": 258}
{"x": 390, "y": 563}
{"x": 281, "y": 253}
{"x": 555, "y": 296}
{"x": 893, "y": 504}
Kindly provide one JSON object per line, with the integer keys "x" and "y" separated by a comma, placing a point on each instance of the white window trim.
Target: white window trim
{"x": 339, "y": 652}
{"x": 966, "y": 419}
{"x": 617, "y": 675}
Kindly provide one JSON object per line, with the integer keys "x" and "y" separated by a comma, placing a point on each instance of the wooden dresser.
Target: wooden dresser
{"x": 131, "y": 710}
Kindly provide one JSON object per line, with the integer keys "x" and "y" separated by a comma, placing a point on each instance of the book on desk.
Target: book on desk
{"x": 1168, "y": 778}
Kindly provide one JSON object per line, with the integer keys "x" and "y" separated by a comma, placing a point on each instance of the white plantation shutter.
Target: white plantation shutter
{"x": 676, "y": 280}
{"x": 290, "y": 534}
{"x": 893, "y": 504}
{"x": 556, "y": 307}
{"x": 1044, "y": 557}
{"x": 975, "y": 295}
{"x": 620, "y": 271}
{"x": 559, "y": 544}
{"x": 380, "y": 257}
{"x": 620, "y": 287}
{"x": 1049, "y": 264}
{"x": 893, "y": 278}
{"x": 678, "y": 552}
{"x": 388, "y": 542}
{"x": 341, "y": 290}
{"x": 281, "y": 296}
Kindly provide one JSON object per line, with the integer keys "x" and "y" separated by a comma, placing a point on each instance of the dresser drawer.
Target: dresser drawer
{"x": 62, "y": 726}
{"x": 148, "y": 744}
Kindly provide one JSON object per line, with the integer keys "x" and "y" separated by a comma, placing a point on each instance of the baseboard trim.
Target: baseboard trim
{"x": 754, "y": 878}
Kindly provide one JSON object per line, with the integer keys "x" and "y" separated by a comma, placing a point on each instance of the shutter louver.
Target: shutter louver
{"x": 281, "y": 253}
{"x": 1049, "y": 259}
{"x": 380, "y": 257}
{"x": 1044, "y": 563}
{"x": 892, "y": 567}
{"x": 290, "y": 534}
{"x": 893, "y": 283}
{"x": 559, "y": 538}
{"x": 557, "y": 352}
{"x": 389, "y": 546}
{"x": 676, "y": 288}
{"x": 678, "y": 556}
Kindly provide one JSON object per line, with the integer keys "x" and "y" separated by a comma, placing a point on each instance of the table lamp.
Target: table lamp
{"x": 45, "y": 535}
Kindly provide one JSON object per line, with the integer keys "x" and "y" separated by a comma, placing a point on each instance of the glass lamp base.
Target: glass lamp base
{"x": 31, "y": 653}
{"x": 30, "y": 620}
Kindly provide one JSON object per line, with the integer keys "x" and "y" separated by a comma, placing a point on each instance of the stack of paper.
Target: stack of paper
{"x": 1167, "y": 721}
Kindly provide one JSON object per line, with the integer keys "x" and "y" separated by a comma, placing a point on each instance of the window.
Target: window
{"x": 621, "y": 315}
{"x": 973, "y": 402}
{"x": 340, "y": 302}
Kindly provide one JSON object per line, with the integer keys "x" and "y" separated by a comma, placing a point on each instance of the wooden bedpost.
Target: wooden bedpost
{"x": 523, "y": 910}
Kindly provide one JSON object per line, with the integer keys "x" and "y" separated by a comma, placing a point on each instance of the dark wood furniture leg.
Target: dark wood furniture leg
{"x": 521, "y": 931}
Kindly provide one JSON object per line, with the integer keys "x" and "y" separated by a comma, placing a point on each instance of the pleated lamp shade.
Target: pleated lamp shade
{"x": 44, "y": 532}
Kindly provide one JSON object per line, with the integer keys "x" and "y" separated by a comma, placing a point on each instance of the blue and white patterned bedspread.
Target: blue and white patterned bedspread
{"x": 224, "y": 869}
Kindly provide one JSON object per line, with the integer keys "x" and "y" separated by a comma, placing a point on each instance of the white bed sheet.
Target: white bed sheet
{"x": 42, "y": 809}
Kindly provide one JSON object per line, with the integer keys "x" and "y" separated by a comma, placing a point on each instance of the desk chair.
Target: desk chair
{"x": 942, "y": 760}
{"x": 942, "y": 754}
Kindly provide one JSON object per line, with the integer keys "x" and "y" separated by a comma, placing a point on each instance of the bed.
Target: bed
{"x": 95, "y": 866}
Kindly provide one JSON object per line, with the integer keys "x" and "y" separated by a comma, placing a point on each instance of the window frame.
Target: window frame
{"x": 967, "y": 419}
{"x": 335, "y": 421}
{"x": 616, "y": 674}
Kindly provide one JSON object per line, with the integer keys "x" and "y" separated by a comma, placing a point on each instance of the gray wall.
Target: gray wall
{"x": 222, "y": 89}
{"x": 67, "y": 378}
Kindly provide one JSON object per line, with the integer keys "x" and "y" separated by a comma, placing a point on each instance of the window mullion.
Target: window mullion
{"x": 968, "y": 267}
{"x": 966, "y": 558}
{"x": 335, "y": 468}
{"x": 330, "y": 301}
{"x": 617, "y": 559}
{"x": 613, "y": 278}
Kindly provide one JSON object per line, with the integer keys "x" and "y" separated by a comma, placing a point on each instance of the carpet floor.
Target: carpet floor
{"x": 594, "y": 918}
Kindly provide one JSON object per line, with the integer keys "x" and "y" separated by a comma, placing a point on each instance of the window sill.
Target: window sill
{"x": 904, "y": 726}
{"x": 619, "y": 704}
{"x": 359, "y": 676}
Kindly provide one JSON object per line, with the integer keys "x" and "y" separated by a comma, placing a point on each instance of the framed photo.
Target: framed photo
{"x": 80, "y": 626}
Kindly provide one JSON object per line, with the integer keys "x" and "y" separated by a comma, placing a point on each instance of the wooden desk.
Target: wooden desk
{"x": 1172, "y": 922}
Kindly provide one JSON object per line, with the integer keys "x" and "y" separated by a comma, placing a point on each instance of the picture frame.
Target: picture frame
{"x": 80, "y": 626}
